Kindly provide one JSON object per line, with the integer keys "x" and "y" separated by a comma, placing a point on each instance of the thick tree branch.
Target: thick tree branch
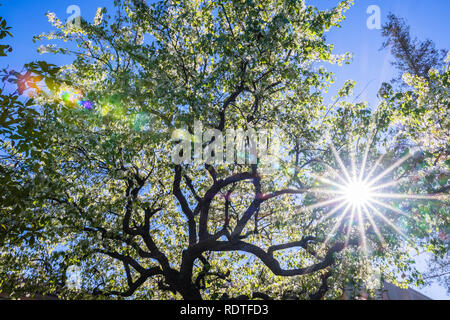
{"x": 184, "y": 205}
{"x": 211, "y": 193}
{"x": 144, "y": 273}
{"x": 321, "y": 292}
{"x": 268, "y": 259}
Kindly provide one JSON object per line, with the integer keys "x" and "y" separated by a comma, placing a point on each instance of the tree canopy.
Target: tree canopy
{"x": 106, "y": 203}
{"x": 421, "y": 66}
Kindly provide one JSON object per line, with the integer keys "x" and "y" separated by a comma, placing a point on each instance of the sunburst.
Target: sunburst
{"x": 359, "y": 197}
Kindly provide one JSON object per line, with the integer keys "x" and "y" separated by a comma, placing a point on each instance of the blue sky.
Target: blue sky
{"x": 370, "y": 66}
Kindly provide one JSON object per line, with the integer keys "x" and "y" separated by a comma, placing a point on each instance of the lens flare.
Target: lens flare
{"x": 74, "y": 98}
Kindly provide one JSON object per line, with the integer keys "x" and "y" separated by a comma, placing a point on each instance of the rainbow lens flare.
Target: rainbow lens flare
{"x": 75, "y": 98}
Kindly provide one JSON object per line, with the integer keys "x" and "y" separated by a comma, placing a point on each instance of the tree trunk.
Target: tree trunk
{"x": 191, "y": 293}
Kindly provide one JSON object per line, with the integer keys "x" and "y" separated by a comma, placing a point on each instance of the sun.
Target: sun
{"x": 357, "y": 193}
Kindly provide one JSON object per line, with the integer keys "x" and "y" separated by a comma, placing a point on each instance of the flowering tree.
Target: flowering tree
{"x": 20, "y": 138}
{"x": 108, "y": 198}
{"x": 422, "y": 116}
{"x": 423, "y": 113}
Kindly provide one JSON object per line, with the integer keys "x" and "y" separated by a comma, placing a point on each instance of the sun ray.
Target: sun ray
{"x": 375, "y": 166}
{"x": 318, "y": 177}
{"x": 330, "y": 168}
{"x": 361, "y": 229}
{"x": 352, "y": 159}
{"x": 321, "y": 204}
{"x": 338, "y": 223}
{"x": 393, "y": 226}
{"x": 366, "y": 154}
{"x": 322, "y": 190}
{"x": 393, "y": 167}
{"x": 340, "y": 177}
{"x": 329, "y": 214}
{"x": 349, "y": 230}
{"x": 389, "y": 207}
{"x": 393, "y": 209}
{"x": 405, "y": 196}
{"x": 374, "y": 225}
{"x": 386, "y": 185}
{"x": 327, "y": 181}
{"x": 340, "y": 162}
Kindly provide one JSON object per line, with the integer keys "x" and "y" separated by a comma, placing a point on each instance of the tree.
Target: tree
{"x": 411, "y": 55}
{"x": 20, "y": 138}
{"x": 110, "y": 200}
{"x": 423, "y": 112}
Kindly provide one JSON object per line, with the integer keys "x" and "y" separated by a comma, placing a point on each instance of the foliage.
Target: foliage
{"x": 21, "y": 143}
{"x": 423, "y": 112}
{"x": 411, "y": 55}
{"x": 109, "y": 200}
